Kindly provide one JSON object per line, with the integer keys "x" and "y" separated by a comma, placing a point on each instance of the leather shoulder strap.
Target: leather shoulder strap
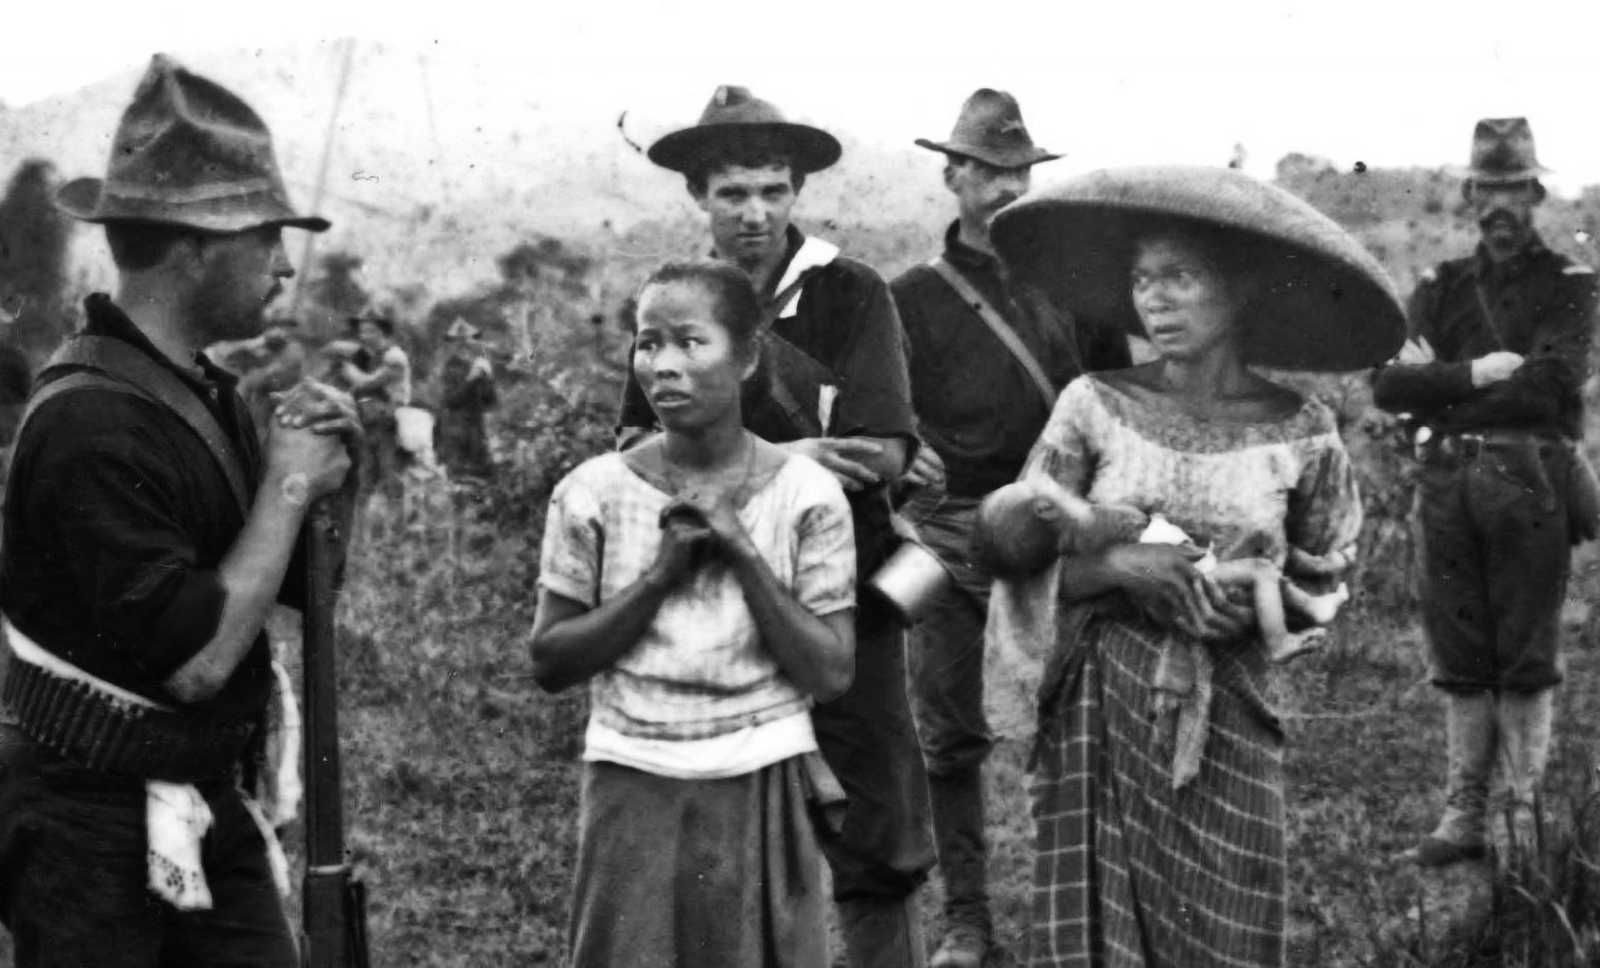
{"x": 110, "y": 364}
{"x": 997, "y": 325}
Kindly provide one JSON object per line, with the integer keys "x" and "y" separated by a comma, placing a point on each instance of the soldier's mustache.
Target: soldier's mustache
{"x": 1506, "y": 215}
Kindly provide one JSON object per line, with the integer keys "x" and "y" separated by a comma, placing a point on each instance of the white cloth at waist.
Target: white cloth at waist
{"x": 712, "y": 758}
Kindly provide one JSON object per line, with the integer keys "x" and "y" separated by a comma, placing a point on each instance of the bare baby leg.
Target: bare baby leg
{"x": 1266, "y": 583}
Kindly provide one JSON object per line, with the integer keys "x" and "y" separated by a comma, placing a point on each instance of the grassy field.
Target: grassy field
{"x": 463, "y": 781}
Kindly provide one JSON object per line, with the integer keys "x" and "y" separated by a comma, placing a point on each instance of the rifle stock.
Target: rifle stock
{"x": 333, "y": 901}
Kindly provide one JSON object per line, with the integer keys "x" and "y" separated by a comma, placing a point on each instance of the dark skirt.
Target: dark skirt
{"x": 680, "y": 873}
{"x": 1130, "y": 873}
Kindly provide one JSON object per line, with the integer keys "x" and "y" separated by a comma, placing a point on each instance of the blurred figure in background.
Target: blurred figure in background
{"x": 1493, "y": 375}
{"x": 378, "y": 374}
{"x": 466, "y": 392}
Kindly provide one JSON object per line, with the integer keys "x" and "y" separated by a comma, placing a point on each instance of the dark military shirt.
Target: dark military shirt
{"x": 846, "y": 321}
{"x": 975, "y": 404}
{"x": 116, "y": 520}
{"x": 1543, "y": 306}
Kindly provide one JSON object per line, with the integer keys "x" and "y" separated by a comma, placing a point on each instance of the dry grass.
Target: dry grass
{"x": 463, "y": 782}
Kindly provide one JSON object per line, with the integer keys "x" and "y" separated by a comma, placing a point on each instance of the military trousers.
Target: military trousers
{"x": 867, "y": 737}
{"x": 1496, "y": 554}
{"x": 74, "y": 870}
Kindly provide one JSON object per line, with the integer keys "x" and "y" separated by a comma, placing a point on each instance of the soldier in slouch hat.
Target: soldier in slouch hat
{"x": 1493, "y": 373}
{"x": 147, "y": 534}
{"x": 831, "y": 384}
{"x": 986, "y": 360}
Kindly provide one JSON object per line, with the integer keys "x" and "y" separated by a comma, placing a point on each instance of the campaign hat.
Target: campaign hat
{"x": 1503, "y": 151}
{"x": 462, "y": 330}
{"x": 734, "y": 114}
{"x": 990, "y": 129}
{"x": 1323, "y": 303}
{"x": 188, "y": 152}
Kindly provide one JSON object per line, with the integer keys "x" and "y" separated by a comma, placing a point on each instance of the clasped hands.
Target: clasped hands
{"x": 696, "y": 529}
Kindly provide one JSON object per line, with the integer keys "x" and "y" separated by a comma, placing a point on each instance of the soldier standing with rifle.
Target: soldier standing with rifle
{"x": 1493, "y": 374}
{"x": 831, "y": 384}
{"x": 987, "y": 359}
{"x": 147, "y": 535}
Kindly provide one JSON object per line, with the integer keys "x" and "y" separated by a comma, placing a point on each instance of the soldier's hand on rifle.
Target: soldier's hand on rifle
{"x": 1495, "y": 367}
{"x": 841, "y": 456}
{"x": 927, "y": 468}
{"x": 303, "y": 464}
{"x": 320, "y": 408}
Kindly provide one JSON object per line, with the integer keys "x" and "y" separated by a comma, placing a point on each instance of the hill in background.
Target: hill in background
{"x": 438, "y": 168}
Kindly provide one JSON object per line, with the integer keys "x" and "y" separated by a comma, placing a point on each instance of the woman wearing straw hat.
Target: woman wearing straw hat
{"x": 1143, "y": 859}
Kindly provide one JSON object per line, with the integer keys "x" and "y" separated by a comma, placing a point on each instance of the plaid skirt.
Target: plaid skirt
{"x": 1129, "y": 872}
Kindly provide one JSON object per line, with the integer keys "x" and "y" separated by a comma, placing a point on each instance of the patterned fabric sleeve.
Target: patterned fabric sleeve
{"x": 1063, "y": 450}
{"x": 825, "y": 565}
{"x": 1325, "y": 506}
{"x": 569, "y": 561}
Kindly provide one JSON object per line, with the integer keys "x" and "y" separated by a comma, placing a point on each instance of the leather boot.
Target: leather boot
{"x": 881, "y": 932}
{"x": 1470, "y": 730}
{"x": 1524, "y": 720}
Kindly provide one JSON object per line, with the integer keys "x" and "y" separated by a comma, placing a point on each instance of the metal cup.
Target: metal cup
{"x": 910, "y": 581}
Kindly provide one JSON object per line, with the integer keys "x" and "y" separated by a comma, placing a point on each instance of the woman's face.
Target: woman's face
{"x": 686, "y": 362}
{"x": 1187, "y": 307}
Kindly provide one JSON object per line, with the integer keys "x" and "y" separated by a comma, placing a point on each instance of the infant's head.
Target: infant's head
{"x": 1019, "y": 531}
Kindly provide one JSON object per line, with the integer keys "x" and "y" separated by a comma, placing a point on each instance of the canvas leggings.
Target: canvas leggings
{"x": 73, "y": 871}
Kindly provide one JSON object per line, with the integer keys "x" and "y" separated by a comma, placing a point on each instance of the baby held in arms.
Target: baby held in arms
{"x": 1039, "y": 519}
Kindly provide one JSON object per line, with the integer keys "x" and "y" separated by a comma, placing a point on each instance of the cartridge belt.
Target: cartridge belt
{"x": 99, "y": 726}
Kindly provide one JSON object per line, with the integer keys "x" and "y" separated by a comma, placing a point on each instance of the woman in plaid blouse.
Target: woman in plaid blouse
{"x": 702, "y": 583}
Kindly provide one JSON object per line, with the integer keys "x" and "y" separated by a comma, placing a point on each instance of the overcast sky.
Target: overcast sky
{"x": 1388, "y": 82}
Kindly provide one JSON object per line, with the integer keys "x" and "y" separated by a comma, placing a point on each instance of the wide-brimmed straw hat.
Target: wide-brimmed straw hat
{"x": 1324, "y": 302}
{"x": 734, "y": 114}
{"x": 1502, "y": 152}
{"x": 188, "y": 152}
{"x": 990, "y": 129}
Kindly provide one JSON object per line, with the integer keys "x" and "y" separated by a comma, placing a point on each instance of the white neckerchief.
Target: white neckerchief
{"x": 813, "y": 252}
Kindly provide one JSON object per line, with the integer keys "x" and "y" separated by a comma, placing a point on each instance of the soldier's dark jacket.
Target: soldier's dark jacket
{"x": 975, "y": 404}
{"x": 116, "y": 520}
{"x": 1543, "y": 306}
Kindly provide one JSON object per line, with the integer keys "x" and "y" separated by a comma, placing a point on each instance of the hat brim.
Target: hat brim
{"x": 1323, "y": 304}
{"x": 809, "y": 149}
{"x": 1025, "y": 158}
{"x": 1468, "y": 173}
{"x": 85, "y": 199}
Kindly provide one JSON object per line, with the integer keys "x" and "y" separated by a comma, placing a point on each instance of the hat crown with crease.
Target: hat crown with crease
{"x": 734, "y": 114}
{"x": 1502, "y": 151}
{"x": 188, "y": 152}
{"x": 990, "y": 129}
